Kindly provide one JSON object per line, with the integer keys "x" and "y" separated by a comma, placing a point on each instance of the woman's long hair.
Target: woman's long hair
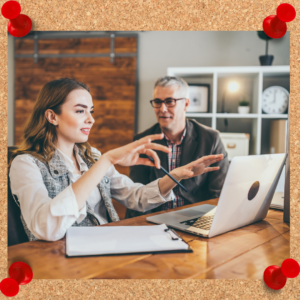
{"x": 39, "y": 135}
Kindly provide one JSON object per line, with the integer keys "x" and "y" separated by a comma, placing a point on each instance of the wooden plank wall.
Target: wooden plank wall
{"x": 112, "y": 85}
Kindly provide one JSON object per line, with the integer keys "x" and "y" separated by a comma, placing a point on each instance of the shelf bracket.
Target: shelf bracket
{"x": 112, "y": 48}
{"x": 36, "y": 50}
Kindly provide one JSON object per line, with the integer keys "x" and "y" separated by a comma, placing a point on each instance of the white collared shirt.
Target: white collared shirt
{"x": 49, "y": 219}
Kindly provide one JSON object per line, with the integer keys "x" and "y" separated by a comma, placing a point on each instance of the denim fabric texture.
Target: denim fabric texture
{"x": 56, "y": 179}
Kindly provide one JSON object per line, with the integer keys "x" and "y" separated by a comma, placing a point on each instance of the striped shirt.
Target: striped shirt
{"x": 174, "y": 162}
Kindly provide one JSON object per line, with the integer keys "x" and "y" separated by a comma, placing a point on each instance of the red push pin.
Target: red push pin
{"x": 19, "y": 25}
{"x": 275, "y": 277}
{"x": 275, "y": 25}
{"x": 19, "y": 273}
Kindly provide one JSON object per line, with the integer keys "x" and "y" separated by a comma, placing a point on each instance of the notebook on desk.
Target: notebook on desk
{"x": 112, "y": 240}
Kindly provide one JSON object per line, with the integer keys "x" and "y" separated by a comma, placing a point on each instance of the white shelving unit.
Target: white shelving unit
{"x": 253, "y": 81}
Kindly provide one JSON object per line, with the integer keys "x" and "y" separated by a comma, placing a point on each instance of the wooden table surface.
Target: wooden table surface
{"x": 240, "y": 254}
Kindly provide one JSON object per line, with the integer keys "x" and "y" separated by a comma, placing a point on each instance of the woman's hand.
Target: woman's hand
{"x": 197, "y": 167}
{"x": 128, "y": 155}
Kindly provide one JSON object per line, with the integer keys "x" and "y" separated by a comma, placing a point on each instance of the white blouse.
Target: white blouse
{"x": 49, "y": 219}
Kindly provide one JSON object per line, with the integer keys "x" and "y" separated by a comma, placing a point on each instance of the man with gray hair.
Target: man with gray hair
{"x": 188, "y": 140}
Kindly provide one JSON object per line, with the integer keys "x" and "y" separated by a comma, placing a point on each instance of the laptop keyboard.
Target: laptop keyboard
{"x": 202, "y": 222}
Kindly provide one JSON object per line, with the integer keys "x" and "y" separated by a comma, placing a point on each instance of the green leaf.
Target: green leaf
{"x": 244, "y": 103}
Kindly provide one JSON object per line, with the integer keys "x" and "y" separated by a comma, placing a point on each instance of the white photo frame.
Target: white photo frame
{"x": 199, "y": 98}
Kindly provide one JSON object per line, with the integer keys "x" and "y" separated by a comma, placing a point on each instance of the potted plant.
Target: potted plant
{"x": 244, "y": 107}
{"x": 265, "y": 60}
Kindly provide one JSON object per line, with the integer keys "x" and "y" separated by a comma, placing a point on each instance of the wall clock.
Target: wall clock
{"x": 275, "y": 100}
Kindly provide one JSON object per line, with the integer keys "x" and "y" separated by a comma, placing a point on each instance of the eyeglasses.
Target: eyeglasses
{"x": 169, "y": 102}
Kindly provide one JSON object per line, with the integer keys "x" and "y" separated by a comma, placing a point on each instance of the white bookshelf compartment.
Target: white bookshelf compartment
{"x": 248, "y": 89}
{"x": 266, "y": 134}
{"x": 242, "y": 125}
{"x": 202, "y": 79}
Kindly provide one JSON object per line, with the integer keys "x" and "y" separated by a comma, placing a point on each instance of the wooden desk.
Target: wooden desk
{"x": 242, "y": 253}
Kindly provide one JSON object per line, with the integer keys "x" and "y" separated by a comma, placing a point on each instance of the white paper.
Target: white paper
{"x": 102, "y": 240}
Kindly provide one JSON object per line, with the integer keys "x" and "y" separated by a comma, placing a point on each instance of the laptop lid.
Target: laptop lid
{"x": 247, "y": 192}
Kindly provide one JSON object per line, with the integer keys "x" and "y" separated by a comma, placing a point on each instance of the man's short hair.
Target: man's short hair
{"x": 173, "y": 80}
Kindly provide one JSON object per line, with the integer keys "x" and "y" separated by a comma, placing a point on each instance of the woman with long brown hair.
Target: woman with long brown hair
{"x": 59, "y": 180}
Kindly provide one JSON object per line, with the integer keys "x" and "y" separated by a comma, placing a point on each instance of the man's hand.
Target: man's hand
{"x": 197, "y": 167}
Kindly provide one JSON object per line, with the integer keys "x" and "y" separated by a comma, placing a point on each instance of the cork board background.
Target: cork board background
{"x": 231, "y": 15}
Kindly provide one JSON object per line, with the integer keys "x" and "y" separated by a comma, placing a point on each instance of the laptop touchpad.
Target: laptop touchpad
{"x": 190, "y": 213}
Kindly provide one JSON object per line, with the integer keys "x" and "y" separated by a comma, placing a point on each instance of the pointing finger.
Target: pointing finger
{"x": 211, "y": 169}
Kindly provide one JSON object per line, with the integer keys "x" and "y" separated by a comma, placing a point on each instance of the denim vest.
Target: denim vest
{"x": 56, "y": 179}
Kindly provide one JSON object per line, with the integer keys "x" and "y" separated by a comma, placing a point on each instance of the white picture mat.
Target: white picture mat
{"x": 198, "y": 96}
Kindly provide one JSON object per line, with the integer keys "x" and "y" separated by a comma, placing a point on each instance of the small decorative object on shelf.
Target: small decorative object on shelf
{"x": 199, "y": 98}
{"x": 265, "y": 60}
{"x": 236, "y": 144}
{"x": 244, "y": 107}
{"x": 275, "y": 100}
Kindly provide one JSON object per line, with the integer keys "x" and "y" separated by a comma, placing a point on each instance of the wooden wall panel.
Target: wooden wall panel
{"x": 106, "y": 80}
{"x": 128, "y": 45}
{"x": 88, "y": 45}
{"x": 112, "y": 85}
{"x": 77, "y": 45}
{"x": 24, "y": 46}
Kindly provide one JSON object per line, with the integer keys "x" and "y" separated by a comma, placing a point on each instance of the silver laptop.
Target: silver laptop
{"x": 245, "y": 198}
